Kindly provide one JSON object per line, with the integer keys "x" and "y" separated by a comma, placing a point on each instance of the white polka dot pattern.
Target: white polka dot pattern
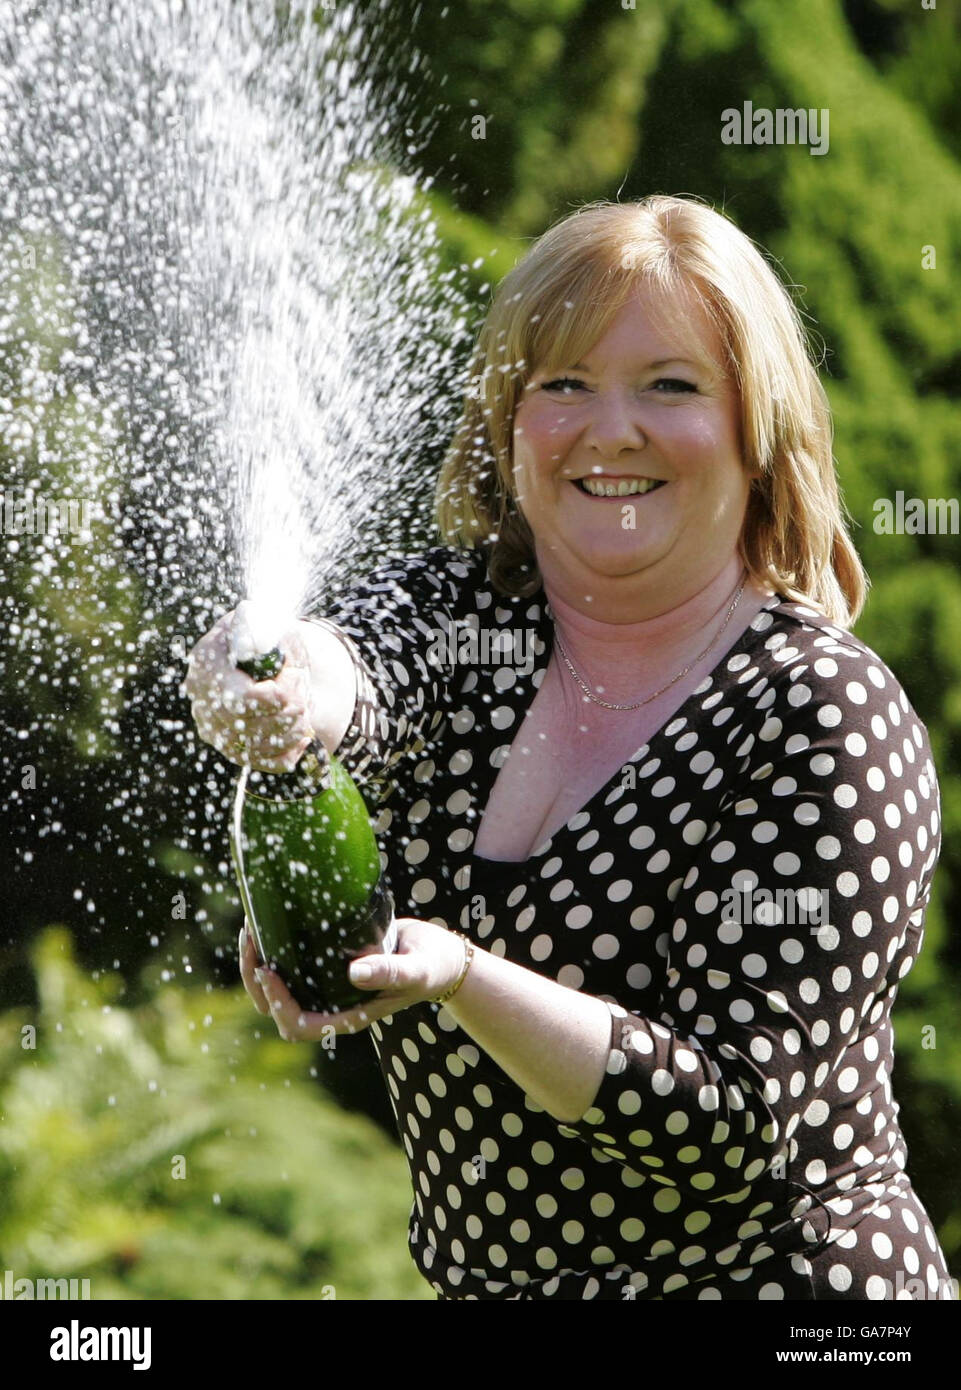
{"x": 746, "y": 901}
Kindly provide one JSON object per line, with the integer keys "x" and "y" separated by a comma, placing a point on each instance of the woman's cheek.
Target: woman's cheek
{"x": 545, "y": 446}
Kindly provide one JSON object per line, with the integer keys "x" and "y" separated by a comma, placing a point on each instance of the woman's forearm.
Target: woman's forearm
{"x": 553, "y": 1041}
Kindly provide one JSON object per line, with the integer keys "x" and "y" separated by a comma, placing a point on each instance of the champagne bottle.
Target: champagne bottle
{"x": 307, "y": 864}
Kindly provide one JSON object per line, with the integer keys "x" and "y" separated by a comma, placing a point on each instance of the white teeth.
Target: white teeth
{"x": 625, "y": 487}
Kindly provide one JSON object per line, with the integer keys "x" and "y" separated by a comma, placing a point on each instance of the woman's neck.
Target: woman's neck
{"x": 625, "y": 657}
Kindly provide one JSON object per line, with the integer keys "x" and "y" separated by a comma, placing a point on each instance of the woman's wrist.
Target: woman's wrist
{"x": 467, "y": 956}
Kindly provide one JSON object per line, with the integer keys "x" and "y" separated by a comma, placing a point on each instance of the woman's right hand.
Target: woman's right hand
{"x": 265, "y": 724}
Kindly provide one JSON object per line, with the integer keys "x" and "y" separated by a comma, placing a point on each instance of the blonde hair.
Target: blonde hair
{"x": 553, "y": 307}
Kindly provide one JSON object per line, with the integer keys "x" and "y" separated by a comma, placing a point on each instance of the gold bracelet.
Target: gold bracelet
{"x": 468, "y": 957}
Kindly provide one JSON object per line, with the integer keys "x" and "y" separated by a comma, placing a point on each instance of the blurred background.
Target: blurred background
{"x": 155, "y": 1137}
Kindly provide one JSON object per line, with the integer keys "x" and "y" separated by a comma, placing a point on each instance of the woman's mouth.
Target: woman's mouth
{"x": 617, "y": 487}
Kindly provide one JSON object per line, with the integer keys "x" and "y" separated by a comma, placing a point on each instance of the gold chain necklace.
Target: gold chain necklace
{"x": 607, "y": 704}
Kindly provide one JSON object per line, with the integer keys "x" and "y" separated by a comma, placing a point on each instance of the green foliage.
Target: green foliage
{"x": 470, "y": 242}
{"x": 284, "y": 1195}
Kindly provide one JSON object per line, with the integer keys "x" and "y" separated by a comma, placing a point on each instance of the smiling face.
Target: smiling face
{"x": 628, "y": 463}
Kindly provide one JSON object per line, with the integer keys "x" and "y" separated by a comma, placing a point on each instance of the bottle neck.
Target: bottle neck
{"x": 310, "y": 778}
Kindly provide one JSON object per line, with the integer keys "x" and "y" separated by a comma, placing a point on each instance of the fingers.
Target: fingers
{"x": 260, "y": 723}
{"x": 374, "y": 972}
{"x": 295, "y": 1024}
{"x": 289, "y": 1017}
{"x": 283, "y": 759}
{"x": 394, "y": 982}
{"x": 274, "y": 745}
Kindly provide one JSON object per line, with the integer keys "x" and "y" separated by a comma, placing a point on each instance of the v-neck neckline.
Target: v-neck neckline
{"x": 546, "y": 633}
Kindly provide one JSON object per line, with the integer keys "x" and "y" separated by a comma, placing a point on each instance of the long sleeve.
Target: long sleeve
{"x": 839, "y": 805}
{"x": 394, "y": 625}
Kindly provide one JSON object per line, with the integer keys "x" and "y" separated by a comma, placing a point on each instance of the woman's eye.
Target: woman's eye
{"x": 561, "y": 383}
{"x": 666, "y": 385}
{"x": 675, "y": 383}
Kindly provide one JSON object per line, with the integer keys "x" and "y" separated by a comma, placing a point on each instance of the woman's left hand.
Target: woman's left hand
{"x": 427, "y": 962}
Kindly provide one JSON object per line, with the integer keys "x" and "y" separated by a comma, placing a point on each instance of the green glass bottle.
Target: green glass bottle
{"x": 309, "y": 871}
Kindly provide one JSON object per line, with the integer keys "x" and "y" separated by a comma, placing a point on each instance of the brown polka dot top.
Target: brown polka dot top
{"x": 745, "y": 894}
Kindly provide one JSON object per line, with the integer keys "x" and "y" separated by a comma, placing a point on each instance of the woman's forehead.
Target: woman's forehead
{"x": 657, "y": 323}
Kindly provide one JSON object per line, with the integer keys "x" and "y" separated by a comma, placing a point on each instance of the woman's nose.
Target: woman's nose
{"x": 615, "y": 424}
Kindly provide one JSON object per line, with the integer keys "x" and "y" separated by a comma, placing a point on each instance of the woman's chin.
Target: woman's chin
{"x": 604, "y": 556}
{"x": 614, "y": 562}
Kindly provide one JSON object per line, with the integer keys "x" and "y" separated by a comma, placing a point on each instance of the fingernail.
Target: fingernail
{"x": 360, "y": 971}
{"x": 260, "y": 976}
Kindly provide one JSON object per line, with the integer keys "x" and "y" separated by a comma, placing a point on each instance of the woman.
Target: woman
{"x": 664, "y": 873}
